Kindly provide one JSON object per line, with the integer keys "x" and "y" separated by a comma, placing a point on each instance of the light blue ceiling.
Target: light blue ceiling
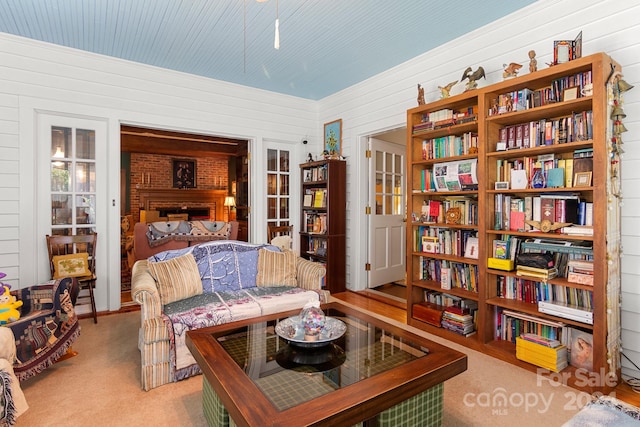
{"x": 325, "y": 45}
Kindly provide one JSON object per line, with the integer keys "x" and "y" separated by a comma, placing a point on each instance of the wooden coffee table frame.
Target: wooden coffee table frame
{"x": 357, "y": 402}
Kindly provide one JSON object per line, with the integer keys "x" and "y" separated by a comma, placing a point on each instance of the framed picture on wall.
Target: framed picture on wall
{"x": 184, "y": 173}
{"x": 333, "y": 137}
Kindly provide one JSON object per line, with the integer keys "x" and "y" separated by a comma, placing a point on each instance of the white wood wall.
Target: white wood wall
{"x": 38, "y": 76}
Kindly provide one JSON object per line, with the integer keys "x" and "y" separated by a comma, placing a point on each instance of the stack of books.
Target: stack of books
{"x": 567, "y": 311}
{"x": 538, "y": 273}
{"x": 580, "y": 271}
{"x": 542, "y": 352}
{"x": 458, "y": 320}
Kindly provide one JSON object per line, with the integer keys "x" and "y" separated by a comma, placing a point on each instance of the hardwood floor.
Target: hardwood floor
{"x": 363, "y": 299}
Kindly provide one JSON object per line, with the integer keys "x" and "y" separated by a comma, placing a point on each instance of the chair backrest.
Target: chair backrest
{"x": 65, "y": 245}
{"x": 279, "y": 230}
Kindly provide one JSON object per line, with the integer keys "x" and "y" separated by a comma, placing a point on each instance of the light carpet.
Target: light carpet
{"x": 101, "y": 387}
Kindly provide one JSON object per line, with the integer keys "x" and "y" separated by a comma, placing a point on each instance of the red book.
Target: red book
{"x": 547, "y": 209}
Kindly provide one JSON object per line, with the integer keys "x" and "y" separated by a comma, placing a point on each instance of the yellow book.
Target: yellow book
{"x": 318, "y": 199}
{"x": 568, "y": 172}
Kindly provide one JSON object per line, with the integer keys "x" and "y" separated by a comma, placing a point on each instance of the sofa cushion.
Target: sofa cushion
{"x": 276, "y": 268}
{"x": 177, "y": 278}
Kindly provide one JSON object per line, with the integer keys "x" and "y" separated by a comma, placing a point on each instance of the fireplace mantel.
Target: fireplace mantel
{"x": 176, "y": 197}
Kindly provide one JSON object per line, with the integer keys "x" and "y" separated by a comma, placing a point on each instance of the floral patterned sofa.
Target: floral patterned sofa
{"x": 210, "y": 284}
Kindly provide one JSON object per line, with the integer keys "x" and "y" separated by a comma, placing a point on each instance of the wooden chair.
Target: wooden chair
{"x": 66, "y": 245}
{"x": 279, "y": 230}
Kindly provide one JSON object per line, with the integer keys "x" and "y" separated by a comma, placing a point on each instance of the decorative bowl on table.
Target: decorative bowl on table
{"x": 293, "y": 330}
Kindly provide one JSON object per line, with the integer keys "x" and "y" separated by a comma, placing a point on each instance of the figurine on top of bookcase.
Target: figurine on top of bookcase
{"x": 420, "y": 94}
{"x": 473, "y": 77}
{"x": 444, "y": 90}
{"x": 511, "y": 70}
{"x": 533, "y": 62}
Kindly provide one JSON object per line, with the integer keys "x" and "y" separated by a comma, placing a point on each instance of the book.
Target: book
{"x": 471, "y": 248}
{"x": 566, "y": 310}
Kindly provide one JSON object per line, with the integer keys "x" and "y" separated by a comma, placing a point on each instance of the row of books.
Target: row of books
{"x": 449, "y": 274}
{"x": 315, "y": 198}
{"x": 434, "y": 210}
{"x": 318, "y": 173}
{"x": 317, "y": 247}
{"x": 441, "y": 240}
{"x": 557, "y": 172}
{"x": 445, "y": 118}
{"x": 576, "y": 127}
{"x": 450, "y": 145}
{"x": 526, "y": 98}
{"x": 314, "y": 222}
{"x": 535, "y": 291}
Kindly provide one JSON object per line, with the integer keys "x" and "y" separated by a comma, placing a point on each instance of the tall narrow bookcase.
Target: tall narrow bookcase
{"x": 323, "y": 218}
{"x": 531, "y": 131}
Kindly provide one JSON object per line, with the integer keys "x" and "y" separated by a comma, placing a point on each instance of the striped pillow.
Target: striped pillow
{"x": 177, "y": 278}
{"x": 276, "y": 268}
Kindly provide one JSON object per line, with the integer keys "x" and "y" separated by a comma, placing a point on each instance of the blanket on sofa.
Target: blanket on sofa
{"x": 228, "y": 271}
{"x": 193, "y": 231}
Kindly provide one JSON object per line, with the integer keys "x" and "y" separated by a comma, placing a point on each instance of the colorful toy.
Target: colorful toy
{"x": 8, "y": 307}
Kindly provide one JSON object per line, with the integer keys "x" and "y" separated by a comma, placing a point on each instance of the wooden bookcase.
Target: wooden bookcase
{"x": 323, "y": 218}
{"x": 491, "y": 126}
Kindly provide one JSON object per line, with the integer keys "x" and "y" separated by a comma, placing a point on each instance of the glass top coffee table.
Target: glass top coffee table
{"x": 260, "y": 375}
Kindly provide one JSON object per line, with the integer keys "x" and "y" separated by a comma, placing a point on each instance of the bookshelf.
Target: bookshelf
{"x": 528, "y": 139}
{"x": 323, "y": 218}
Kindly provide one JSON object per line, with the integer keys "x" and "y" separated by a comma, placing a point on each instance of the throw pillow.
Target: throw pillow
{"x": 276, "y": 268}
{"x": 177, "y": 278}
{"x": 71, "y": 265}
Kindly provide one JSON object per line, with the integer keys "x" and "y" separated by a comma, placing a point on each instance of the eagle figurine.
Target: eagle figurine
{"x": 546, "y": 226}
{"x": 444, "y": 90}
{"x": 511, "y": 70}
{"x": 473, "y": 77}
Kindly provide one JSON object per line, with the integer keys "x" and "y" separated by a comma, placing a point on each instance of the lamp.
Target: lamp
{"x": 229, "y": 201}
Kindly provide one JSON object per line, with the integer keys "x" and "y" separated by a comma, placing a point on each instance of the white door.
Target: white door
{"x": 387, "y": 227}
{"x": 72, "y": 189}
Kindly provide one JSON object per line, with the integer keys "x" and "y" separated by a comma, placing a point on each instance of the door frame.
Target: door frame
{"x": 357, "y": 276}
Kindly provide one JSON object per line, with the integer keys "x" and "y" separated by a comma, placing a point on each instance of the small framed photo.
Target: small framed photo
{"x": 570, "y": 93}
{"x": 184, "y": 173}
{"x": 501, "y": 185}
{"x": 582, "y": 179}
{"x": 333, "y": 137}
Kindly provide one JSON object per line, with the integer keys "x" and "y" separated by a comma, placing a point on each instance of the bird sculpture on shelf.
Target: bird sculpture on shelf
{"x": 473, "y": 77}
{"x": 546, "y": 225}
{"x": 511, "y": 70}
{"x": 444, "y": 90}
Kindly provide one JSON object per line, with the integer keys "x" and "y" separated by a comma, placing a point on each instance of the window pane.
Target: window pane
{"x": 272, "y": 210}
{"x": 398, "y": 164}
{"x": 388, "y": 188}
{"x": 272, "y": 184}
{"x": 272, "y": 160}
{"x": 60, "y": 177}
{"x": 284, "y": 161}
{"x": 388, "y": 205}
{"x": 61, "y": 209}
{"x": 284, "y": 207}
{"x": 85, "y": 144}
{"x": 85, "y": 209}
{"x": 85, "y": 177}
{"x": 60, "y": 142}
{"x": 284, "y": 185}
{"x": 379, "y": 161}
{"x": 378, "y": 204}
{"x": 388, "y": 162}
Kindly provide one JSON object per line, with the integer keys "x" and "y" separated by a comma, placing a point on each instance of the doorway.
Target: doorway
{"x": 387, "y": 217}
{"x": 146, "y": 162}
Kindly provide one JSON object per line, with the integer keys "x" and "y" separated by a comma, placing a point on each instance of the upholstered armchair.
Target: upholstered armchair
{"x": 47, "y": 327}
